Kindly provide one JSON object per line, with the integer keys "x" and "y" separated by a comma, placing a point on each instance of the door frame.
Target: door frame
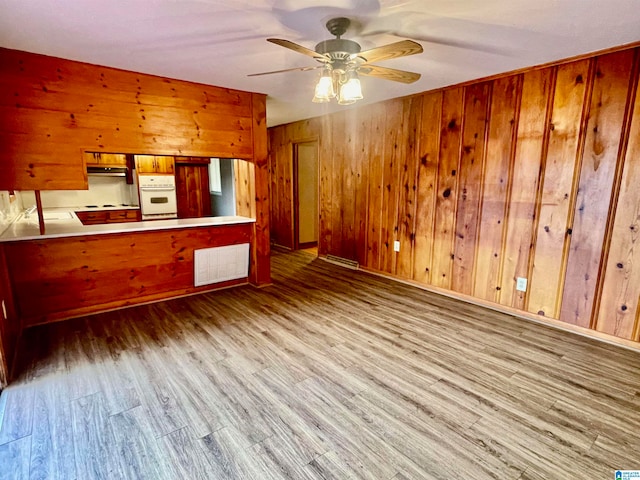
{"x": 296, "y": 199}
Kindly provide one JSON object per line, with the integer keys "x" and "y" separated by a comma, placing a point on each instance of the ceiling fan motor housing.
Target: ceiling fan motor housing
{"x": 338, "y": 46}
{"x": 338, "y": 49}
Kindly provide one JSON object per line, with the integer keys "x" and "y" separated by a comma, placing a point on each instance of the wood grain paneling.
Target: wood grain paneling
{"x": 530, "y": 147}
{"x": 498, "y": 174}
{"x": 78, "y": 275}
{"x": 52, "y": 109}
{"x": 347, "y": 185}
{"x": 603, "y": 134}
{"x": 10, "y": 326}
{"x": 476, "y": 102}
{"x": 361, "y": 155}
{"x": 429, "y": 148}
{"x": 375, "y": 183}
{"x": 558, "y": 192}
{"x": 245, "y": 188}
{"x": 326, "y": 212}
{"x": 339, "y": 136}
{"x": 260, "y": 265}
{"x": 393, "y": 155}
{"x": 409, "y": 187}
{"x": 619, "y": 310}
{"x": 447, "y": 190}
{"x": 279, "y": 230}
{"x": 526, "y": 175}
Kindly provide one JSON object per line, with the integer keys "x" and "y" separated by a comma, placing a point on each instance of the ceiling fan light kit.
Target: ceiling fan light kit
{"x": 343, "y": 61}
{"x": 340, "y": 84}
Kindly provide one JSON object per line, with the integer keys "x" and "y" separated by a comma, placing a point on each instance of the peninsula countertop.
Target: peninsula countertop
{"x": 63, "y": 222}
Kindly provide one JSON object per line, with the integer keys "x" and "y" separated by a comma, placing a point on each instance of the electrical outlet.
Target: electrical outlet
{"x": 521, "y": 284}
{"x": 396, "y": 246}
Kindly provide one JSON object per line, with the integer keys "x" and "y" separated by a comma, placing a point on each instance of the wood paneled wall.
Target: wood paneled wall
{"x": 59, "y": 278}
{"x": 9, "y": 325}
{"x": 531, "y": 175}
{"x": 51, "y": 109}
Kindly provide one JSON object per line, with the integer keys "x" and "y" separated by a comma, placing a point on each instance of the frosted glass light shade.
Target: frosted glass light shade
{"x": 324, "y": 90}
{"x": 350, "y": 92}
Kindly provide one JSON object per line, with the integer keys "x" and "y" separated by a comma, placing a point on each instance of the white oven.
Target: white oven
{"x": 157, "y": 196}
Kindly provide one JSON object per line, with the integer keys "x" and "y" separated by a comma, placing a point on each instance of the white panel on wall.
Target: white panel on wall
{"x": 218, "y": 264}
{"x": 215, "y": 182}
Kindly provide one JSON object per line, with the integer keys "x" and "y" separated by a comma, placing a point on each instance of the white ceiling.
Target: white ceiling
{"x": 219, "y": 42}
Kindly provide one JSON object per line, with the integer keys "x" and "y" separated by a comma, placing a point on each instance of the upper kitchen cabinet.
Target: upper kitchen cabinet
{"x": 52, "y": 110}
{"x": 155, "y": 164}
{"x": 105, "y": 159}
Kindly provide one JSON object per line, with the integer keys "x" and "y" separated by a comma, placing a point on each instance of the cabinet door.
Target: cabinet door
{"x": 92, "y": 217}
{"x": 113, "y": 159}
{"x": 120, "y": 216}
{"x": 164, "y": 164}
{"x": 145, "y": 163}
{"x": 105, "y": 159}
{"x": 154, "y": 164}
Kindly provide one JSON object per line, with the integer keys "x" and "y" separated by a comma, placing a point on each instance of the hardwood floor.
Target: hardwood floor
{"x": 328, "y": 374}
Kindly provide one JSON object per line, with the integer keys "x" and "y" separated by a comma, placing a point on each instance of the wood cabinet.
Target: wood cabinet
{"x": 105, "y": 159}
{"x": 154, "y": 164}
{"x": 192, "y": 190}
{"x": 97, "y": 217}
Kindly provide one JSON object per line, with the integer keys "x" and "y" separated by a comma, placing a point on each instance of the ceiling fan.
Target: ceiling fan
{"x": 342, "y": 61}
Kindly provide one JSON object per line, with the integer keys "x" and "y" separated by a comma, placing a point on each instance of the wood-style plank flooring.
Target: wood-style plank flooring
{"x": 328, "y": 374}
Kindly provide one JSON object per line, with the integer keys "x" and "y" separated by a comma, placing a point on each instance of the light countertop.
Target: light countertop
{"x": 70, "y": 225}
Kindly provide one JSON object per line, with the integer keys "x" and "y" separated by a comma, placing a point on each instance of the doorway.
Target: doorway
{"x": 305, "y": 194}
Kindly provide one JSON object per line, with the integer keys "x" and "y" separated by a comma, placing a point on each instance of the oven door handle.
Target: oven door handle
{"x": 157, "y": 189}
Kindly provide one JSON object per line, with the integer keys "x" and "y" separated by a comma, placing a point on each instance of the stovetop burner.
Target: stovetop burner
{"x": 107, "y": 205}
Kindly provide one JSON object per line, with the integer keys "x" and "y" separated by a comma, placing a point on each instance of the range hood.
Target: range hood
{"x": 107, "y": 171}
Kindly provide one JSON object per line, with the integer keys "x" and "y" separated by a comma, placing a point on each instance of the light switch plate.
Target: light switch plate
{"x": 396, "y": 246}
{"x": 521, "y": 284}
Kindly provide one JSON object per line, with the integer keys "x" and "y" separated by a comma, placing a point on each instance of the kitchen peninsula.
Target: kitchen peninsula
{"x": 76, "y": 269}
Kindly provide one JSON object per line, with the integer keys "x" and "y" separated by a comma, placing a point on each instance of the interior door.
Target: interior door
{"x": 306, "y": 188}
{"x": 192, "y": 191}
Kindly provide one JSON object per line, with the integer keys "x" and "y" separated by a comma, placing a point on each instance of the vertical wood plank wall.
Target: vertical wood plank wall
{"x": 245, "y": 188}
{"x": 9, "y": 327}
{"x": 531, "y": 175}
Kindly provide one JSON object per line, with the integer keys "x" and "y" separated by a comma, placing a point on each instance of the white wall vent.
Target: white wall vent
{"x": 218, "y": 264}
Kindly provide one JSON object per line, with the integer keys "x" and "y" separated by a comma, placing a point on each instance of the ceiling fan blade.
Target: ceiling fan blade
{"x": 298, "y": 48}
{"x": 300, "y": 69}
{"x": 393, "y": 50}
{"x": 388, "y": 73}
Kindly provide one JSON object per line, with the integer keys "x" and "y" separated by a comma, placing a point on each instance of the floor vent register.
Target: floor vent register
{"x": 219, "y": 264}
